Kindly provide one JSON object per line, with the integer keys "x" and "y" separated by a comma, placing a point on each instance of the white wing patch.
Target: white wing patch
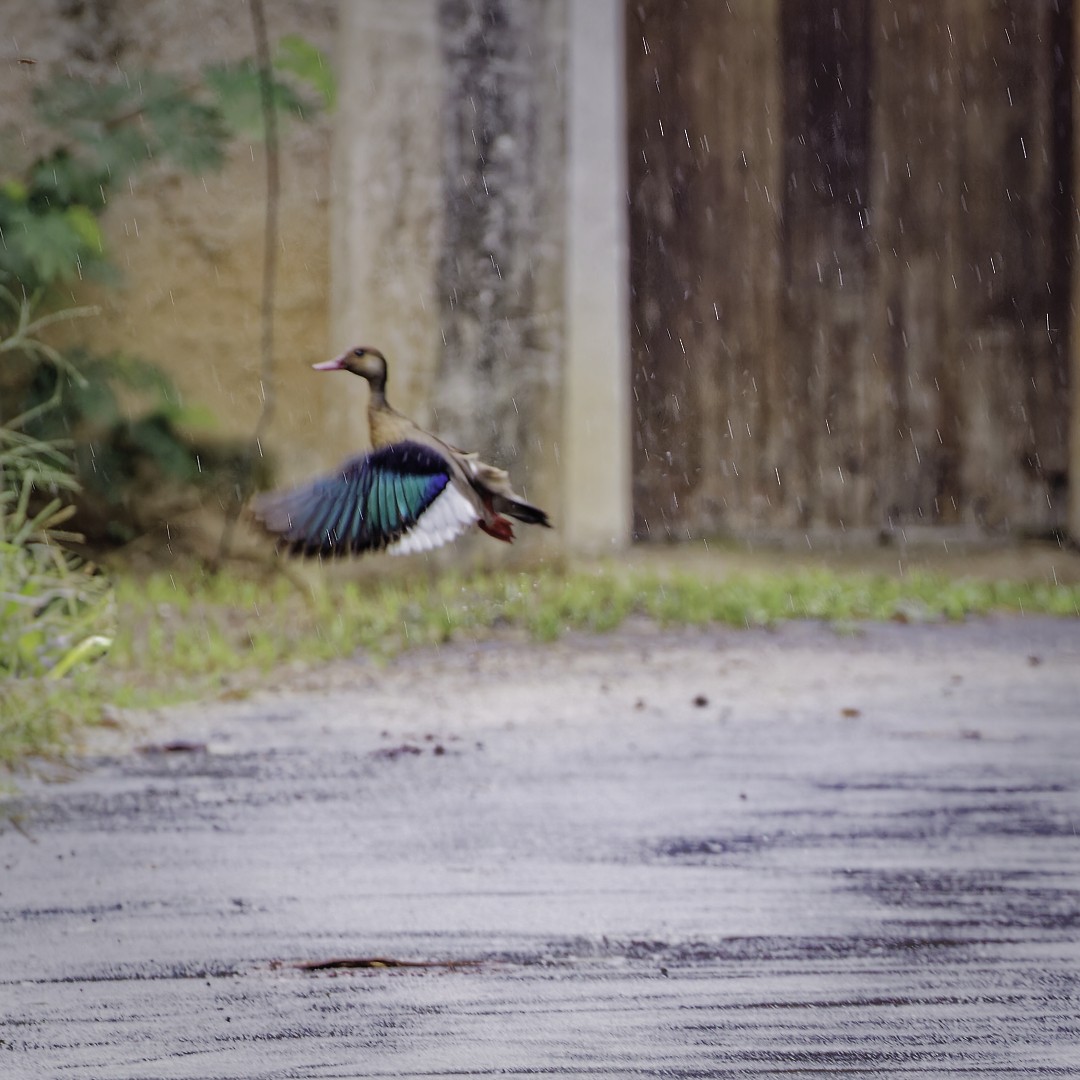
{"x": 446, "y": 518}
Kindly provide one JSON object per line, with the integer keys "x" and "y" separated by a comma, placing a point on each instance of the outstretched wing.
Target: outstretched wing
{"x": 398, "y": 497}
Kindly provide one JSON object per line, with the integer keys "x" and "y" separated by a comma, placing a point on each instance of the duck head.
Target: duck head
{"x": 368, "y": 363}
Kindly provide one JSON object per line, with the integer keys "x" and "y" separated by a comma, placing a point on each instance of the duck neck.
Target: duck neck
{"x": 377, "y": 400}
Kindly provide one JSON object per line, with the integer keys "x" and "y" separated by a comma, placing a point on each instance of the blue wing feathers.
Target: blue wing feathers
{"x": 388, "y": 516}
{"x": 401, "y": 499}
{"x": 369, "y": 503}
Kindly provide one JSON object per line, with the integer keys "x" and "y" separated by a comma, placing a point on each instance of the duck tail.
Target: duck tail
{"x": 523, "y": 511}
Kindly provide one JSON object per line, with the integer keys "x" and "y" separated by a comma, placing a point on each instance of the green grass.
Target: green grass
{"x": 184, "y": 636}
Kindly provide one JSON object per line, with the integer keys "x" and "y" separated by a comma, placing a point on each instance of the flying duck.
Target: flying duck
{"x": 411, "y": 492}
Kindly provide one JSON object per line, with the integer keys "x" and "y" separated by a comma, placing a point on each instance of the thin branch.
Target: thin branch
{"x": 87, "y": 312}
{"x": 267, "y": 387}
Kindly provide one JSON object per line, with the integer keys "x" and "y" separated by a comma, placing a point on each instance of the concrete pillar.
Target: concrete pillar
{"x": 415, "y": 255}
{"x": 597, "y": 508}
{"x": 386, "y": 223}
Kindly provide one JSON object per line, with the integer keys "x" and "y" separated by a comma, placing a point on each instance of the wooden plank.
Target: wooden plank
{"x": 704, "y": 224}
{"x": 909, "y": 202}
{"x": 735, "y": 199}
{"x": 865, "y": 325}
{"x": 1012, "y": 269}
{"x": 826, "y": 255}
{"x": 656, "y": 92}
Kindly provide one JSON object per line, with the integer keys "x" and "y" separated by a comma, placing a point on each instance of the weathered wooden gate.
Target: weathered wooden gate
{"x": 850, "y": 234}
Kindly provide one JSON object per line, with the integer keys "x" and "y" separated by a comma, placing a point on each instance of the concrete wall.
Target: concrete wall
{"x": 462, "y": 210}
{"x": 190, "y": 248}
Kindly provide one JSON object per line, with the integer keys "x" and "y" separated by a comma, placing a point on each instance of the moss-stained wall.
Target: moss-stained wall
{"x": 190, "y": 248}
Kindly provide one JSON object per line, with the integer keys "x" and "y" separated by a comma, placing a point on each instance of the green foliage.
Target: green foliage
{"x": 56, "y": 611}
{"x": 238, "y": 86}
{"x": 44, "y": 243}
{"x": 114, "y": 452}
{"x": 108, "y": 131}
{"x": 103, "y": 144}
{"x": 297, "y": 57}
{"x": 51, "y": 602}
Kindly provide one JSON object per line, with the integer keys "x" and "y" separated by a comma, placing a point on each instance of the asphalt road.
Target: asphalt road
{"x": 711, "y": 854}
